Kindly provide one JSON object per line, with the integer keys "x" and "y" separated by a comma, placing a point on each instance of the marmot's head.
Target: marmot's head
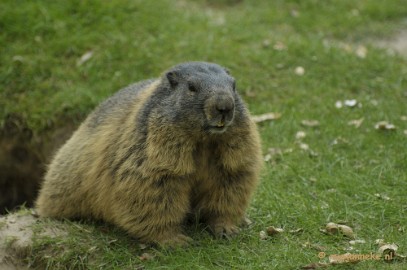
{"x": 203, "y": 95}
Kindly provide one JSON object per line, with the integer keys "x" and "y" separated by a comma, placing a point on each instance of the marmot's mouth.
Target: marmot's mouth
{"x": 221, "y": 123}
{"x": 217, "y": 129}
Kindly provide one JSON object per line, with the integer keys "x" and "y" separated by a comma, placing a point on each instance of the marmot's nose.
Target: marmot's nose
{"x": 224, "y": 107}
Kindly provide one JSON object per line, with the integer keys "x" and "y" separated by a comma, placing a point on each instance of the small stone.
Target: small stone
{"x": 300, "y": 135}
{"x": 271, "y": 231}
{"x": 299, "y": 71}
{"x": 263, "y": 235}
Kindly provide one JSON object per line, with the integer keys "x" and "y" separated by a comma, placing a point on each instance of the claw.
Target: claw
{"x": 224, "y": 230}
{"x": 177, "y": 241}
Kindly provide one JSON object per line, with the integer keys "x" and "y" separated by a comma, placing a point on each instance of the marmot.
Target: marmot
{"x": 157, "y": 152}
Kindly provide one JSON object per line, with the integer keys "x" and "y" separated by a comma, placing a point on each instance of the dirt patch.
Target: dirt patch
{"x": 396, "y": 44}
{"x": 16, "y": 239}
{"x": 23, "y": 157}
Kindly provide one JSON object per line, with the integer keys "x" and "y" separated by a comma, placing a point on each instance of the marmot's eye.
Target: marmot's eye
{"x": 192, "y": 87}
{"x": 234, "y": 86}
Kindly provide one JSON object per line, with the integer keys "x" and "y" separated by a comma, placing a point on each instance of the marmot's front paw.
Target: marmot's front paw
{"x": 246, "y": 222}
{"x": 175, "y": 241}
{"x": 224, "y": 229}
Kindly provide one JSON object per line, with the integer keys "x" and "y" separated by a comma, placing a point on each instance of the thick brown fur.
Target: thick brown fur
{"x": 156, "y": 152}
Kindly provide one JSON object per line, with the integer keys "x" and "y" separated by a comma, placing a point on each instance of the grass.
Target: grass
{"x": 42, "y": 42}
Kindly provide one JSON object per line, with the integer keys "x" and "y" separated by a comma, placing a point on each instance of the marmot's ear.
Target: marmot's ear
{"x": 172, "y": 77}
{"x": 227, "y": 71}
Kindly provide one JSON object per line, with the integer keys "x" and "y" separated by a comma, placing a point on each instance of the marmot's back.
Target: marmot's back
{"x": 117, "y": 104}
{"x": 156, "y": 151}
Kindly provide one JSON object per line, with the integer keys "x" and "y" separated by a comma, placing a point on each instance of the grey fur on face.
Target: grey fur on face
{"x": 206, "y": 88}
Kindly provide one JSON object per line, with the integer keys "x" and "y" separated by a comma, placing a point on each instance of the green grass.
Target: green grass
{"x": 41, "y": 42}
